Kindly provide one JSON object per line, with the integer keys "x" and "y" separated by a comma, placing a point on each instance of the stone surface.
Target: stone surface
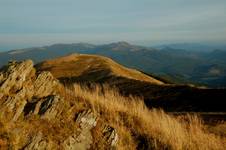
{"x": 82, "y": 140}
{"x": 14, "y": 77}
{"x": 27, "y": 95}
{"x": 87, "y": 119}
{"x": 110, "y": 135}
{"x": 13, "y": 106}
{"x": 47, "y": 108}
{"x": 51, "y": 107}
{"x": 44, "y": 85}
{"x": 38, "y": 143}
{"x": 19, "y": 85}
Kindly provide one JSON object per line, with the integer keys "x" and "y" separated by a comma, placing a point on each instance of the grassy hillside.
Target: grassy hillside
{"x": 38, "y": 112}
{"x": 141, "y": 128}
{"x": 137, "y": 126}
{"x": 92, "y": 68}
{"x": 89, "y": 69}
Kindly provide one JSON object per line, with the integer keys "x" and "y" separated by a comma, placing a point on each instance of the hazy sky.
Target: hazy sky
{"x": 25, "y": 23}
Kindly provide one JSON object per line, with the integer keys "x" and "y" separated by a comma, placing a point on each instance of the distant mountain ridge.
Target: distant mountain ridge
{"x": 179, "y": 65}
{"x": 193, "y": 46}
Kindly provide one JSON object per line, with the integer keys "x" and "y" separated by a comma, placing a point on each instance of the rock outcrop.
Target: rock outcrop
{"x": 19, "y": 85}
{"x": 15, "y": 76}
{"x": 38, "y": 143}
{"x": 30, "y": 103}
{"x": 110, "y": 135}
{"x": 86, "y": 120}
{"x": 44, "y": 85}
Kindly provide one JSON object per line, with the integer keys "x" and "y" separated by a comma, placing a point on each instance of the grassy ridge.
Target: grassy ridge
{"x": 142, "y": 128}
{"x": 137, "y": 126}
{"x": 157, "y": 92}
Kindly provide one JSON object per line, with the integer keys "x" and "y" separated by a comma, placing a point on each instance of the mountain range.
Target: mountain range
{"x": 183, "y": 66}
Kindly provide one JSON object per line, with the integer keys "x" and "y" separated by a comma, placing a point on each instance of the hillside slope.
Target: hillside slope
{"x": 89, "y": 69}
{"x": 38, "y": 113}
{"x": 33, "y": 106}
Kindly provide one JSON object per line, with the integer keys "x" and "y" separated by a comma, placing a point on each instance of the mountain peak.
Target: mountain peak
{"x": 123, "y": 43}
{"x": 120, "y": 44}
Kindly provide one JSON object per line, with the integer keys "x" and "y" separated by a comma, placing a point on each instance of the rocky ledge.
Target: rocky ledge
{"x": 31, "y": 106}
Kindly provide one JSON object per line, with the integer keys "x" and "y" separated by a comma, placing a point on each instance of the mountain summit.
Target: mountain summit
{"x": 92, "y": 68}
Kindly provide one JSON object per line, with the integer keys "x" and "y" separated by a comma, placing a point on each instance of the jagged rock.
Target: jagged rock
{"x": 19, "y": 85}
{"x": 15, "y": 88}
{"x": 87, "y": 120}
{"x": 38, "y": 143}
{"x": 83, "y": 139}
{"x": 50, "y": 107}
{"x": 15, "y": 75}
{"x": 14, "y": 105}
{"x": 36, "y": 97}
{"x": 45, "y": 85}
{"x": 110, "y": 135}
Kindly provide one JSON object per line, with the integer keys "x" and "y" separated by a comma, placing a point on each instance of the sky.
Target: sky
{"x": 27, "y": 23}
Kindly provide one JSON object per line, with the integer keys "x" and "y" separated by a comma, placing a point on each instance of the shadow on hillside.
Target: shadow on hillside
{"x": 171, "y": 98}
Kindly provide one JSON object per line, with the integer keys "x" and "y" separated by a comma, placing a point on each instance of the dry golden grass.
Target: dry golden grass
{"x": 138, "y": 127}
{"x": 141, "y": 128}
{"x": 76, "y": 65}
{"x": 219, "y": 129}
